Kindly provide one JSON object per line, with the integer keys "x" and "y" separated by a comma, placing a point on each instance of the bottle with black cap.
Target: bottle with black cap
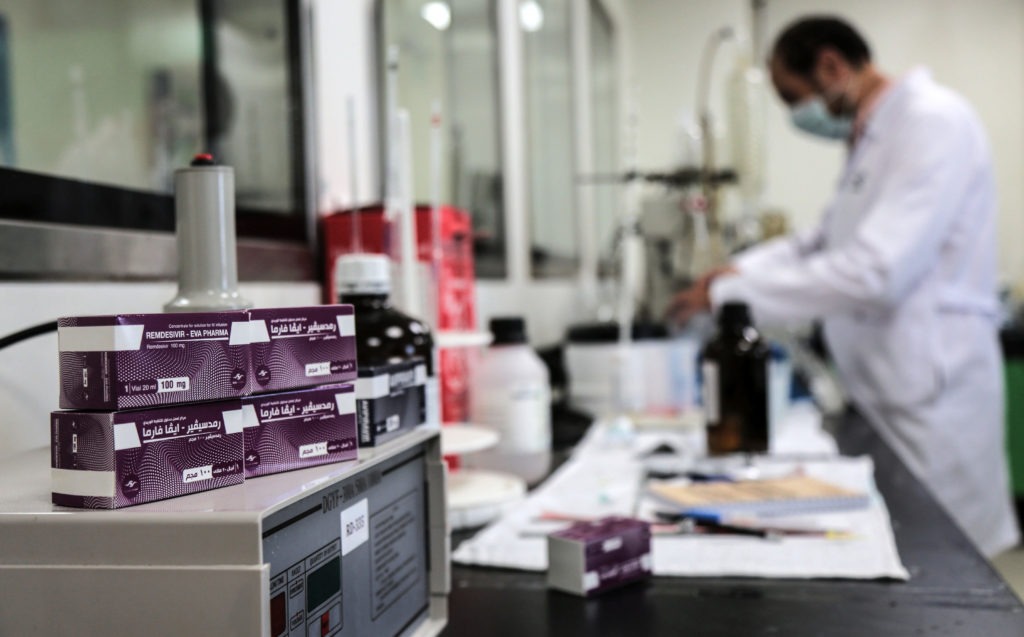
{"x": 383, "y": 334}
{"x": 511, "y": 393}
{"x": 734, "y": 373}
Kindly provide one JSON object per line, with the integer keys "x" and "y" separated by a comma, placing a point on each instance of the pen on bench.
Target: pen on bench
{"x": 693, "y": 476}
{"x": 717, "y": 522}
{"x": 690, "y": 528}
{"x": 699, "y": 476}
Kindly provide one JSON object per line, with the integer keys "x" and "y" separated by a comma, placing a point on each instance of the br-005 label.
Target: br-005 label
{"x": 355, "y": 526}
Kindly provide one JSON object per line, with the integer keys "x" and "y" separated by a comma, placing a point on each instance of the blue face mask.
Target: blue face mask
{"x": 812, "y": 116}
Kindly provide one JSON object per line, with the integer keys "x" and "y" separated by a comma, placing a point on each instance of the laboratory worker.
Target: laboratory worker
{"x": 901, "y": 268}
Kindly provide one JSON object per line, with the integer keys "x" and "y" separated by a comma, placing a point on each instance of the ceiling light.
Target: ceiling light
{"x": 438, "y": 14}
{"x": 531, "y": 16}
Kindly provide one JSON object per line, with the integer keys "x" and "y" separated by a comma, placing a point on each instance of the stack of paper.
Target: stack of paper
{"x": 606, "y": 478}
{"x": 787, "y": 495}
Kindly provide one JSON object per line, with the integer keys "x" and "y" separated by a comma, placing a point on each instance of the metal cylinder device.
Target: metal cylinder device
{"x": 204, "y": 206}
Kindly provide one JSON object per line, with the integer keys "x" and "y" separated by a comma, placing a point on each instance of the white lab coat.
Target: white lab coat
{"x": 902, "y": 271}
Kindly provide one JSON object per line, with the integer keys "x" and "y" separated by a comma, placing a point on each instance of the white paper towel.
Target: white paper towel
{"x": 604, "y": 478}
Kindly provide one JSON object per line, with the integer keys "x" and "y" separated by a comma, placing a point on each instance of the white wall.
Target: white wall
{"x": 975, "y": 47}
{"x": 669, "y": 36}
{"x": 548, "y": 306}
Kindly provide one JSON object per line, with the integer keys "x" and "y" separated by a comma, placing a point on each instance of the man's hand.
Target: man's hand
{"x": 695, "y": 299}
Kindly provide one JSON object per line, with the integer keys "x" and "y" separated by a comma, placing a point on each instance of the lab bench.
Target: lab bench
{"x": 952, "y": 589}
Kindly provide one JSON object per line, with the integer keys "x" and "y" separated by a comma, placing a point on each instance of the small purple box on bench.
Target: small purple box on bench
{"x": 130, "y": 361}
{"x": 299, "y": 347}
{"x": 109, "y": 460}
{"x": 299, "y": 429}
{"x": 590, "y": 558}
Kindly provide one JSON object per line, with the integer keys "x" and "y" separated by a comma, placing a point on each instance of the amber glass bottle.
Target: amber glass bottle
{"x": 734, "y": 373}
{"x": 383, "y": 334}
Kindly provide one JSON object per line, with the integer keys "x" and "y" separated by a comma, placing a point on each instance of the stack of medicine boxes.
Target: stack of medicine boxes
{"x": 171, "y": 404}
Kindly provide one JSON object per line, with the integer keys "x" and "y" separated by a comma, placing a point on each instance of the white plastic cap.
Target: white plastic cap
{"x": 362, "y": 274}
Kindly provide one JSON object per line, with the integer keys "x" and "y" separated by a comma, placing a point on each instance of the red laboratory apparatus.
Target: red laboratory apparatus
{"x": 454, "y": 293}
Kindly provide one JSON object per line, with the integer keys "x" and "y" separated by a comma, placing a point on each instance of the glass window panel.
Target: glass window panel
{"x": 104, "y": 90}
{"x": 554, "y": 247}
{"x": 604, "y": 100}
{"x": 448, "y": 53}
{"x": 123, "y": 92}
{"x": 252, "y": 123}
{"x": 422, "y": 79}
{"x": 476, "y": 130}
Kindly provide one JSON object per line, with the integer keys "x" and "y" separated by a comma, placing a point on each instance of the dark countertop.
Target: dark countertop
{"x": 953, "y": 590}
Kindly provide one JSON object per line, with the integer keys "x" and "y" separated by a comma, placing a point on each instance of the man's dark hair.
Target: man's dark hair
{"x": 798, "y": 46}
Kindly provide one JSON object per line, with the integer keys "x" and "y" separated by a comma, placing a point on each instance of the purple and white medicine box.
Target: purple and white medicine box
{"x": 109, "y": 460}
{"x": 293, "y": 348}
{"x": 131, "y": 361}
{"x": 590, "y": 558}
{"x": 299, "y": 429}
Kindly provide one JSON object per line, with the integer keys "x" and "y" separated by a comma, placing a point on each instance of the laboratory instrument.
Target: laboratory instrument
{"x": 357, "y": 548}
{"x": 204, "y": 209}
{"x": 456, "y": 331}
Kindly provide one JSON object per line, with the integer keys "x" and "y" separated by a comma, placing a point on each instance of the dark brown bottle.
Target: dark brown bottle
{"x": 383, "y": 334}
{"x": 734, "y": 372}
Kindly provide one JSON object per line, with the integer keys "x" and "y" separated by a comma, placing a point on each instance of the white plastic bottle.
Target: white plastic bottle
{"x": 511, "y": 393}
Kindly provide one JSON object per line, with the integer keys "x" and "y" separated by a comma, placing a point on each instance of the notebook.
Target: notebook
{"x": 791, "y": 495}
